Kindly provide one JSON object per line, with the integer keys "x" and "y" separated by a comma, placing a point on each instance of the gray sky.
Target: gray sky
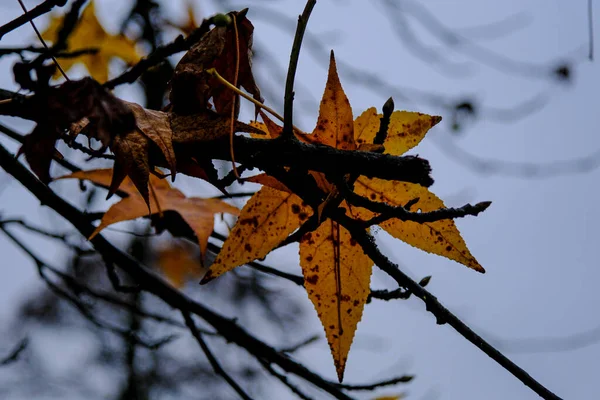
{"x": 537, "y": 241}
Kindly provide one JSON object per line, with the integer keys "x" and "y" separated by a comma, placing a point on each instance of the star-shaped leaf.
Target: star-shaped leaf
{"x": 90, "y": 34}
{"x": 198, "y": 213}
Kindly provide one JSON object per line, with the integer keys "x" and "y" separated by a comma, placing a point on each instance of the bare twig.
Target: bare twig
{"x": 211, "y": 358}
{"x": 39, "y": 35}
{"x": 14, "y": 354}
{"x": 442, "y": 314}
{"x": 288, "y": 107}
{"x": 41, "y": 9}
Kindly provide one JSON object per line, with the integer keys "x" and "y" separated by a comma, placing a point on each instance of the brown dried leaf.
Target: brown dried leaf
{"x": 58, "y": 108}
{"x": 192, "y": 86}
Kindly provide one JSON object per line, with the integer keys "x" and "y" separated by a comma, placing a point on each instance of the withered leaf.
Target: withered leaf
{"x": 192, "y": 87}
{"x": 58, "y": 108}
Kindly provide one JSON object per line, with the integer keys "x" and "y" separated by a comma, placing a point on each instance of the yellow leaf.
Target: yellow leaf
{"x": 335, "y": 125}
{"x": 266, "y": 219}
{"x": 440, "y": 237}
{"x": 198, "y": 213}
{"x": 405, "y": 131}
{"x": 337, "y": 275}
{"x": 396, "y": 397}
{"x": 89, "y": 34}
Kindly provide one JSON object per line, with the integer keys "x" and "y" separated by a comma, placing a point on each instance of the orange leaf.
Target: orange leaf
{"x": 266, "y": 219}
{"x": 440, "y": 237}
{"x": 197, "y": 212}
{"x": 178, "y": 263}
{"x": 337, "y": 275}
{"x": 268, "y": 180}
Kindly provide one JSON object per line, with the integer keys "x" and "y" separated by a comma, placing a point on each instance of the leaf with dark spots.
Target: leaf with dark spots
{"x": 253, "y": 236}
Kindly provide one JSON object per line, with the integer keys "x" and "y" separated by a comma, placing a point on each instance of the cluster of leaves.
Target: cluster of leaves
{"x": 202, "y": 109}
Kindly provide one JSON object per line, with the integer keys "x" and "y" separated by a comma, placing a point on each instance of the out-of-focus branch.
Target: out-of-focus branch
{"x": 41, "y": 9}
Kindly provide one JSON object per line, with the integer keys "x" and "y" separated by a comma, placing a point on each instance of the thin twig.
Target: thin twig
{"x": 288, "y": 106}
{"x": 373, "y": 386}
{"x": 284, "y": 379}
{"x": 14, "y": 354}
{"x": 442, "y": 314}
{"x": 39, "y": 35}
{"x": 590, "y": 30}
{"x": 211, "y": 358}
{"x": 41, "y": 9}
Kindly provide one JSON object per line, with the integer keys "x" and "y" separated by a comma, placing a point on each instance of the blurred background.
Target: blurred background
{"x": 517, "y": 87}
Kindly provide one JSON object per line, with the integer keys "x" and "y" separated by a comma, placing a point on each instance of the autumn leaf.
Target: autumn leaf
{"x": 190, "y": 23}
{"x": 65, "y": 105}
{"x": 198, "y": 213}
{"x": 90, "y": 34}
{"x": 405, "y": 131}
{"x": 192, "y": 86}
{"x": 439, "y": 237}
{"x": 179, "y": 264}
{"x": 337, "y": 274}
{"x": 266, "y": 219}
{"x": 336, "y": 270}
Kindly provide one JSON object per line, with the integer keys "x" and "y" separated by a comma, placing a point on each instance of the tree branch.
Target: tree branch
{"x": 41, "y": 9}
{"x": 151, "y": 282}
{"x": 442, "y": 314}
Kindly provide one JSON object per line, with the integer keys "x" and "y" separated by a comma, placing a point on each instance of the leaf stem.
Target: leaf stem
{"x": 213, "y": 72}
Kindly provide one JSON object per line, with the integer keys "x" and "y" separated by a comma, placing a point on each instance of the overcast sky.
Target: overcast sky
{"x": 537, "y": 241}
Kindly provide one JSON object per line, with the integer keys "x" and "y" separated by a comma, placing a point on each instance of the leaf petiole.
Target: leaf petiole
{"x": 213, "y": 72}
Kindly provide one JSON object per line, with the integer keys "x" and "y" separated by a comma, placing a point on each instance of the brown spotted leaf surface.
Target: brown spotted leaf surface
{"x": 198, "y": 213}
{"x": 336, "y": 271}
{"x": 264, "y": 222}
{"x": 439, "y": 237}
{"x": 337, "y": 274}
{"x": 405, "y": 131}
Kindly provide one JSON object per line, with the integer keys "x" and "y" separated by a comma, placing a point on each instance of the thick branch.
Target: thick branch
{"x": 275, "y": 153}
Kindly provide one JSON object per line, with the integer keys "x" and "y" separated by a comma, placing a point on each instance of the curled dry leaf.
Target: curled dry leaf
{"x": 192, "y": 87}
{"x": 58, "y": 108}
{"x": 197, "y": 212}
